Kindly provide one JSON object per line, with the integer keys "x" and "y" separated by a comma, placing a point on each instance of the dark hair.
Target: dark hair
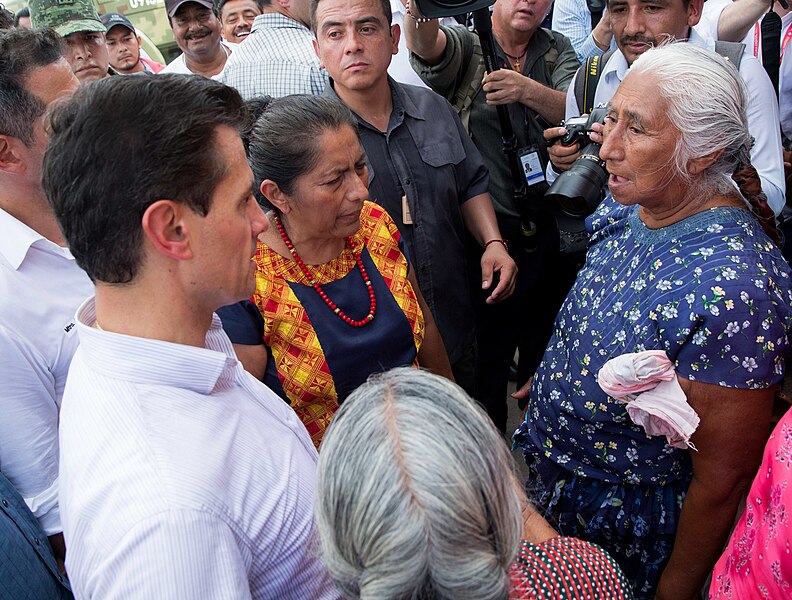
{"x": 282, "y": 145}
{"x": 22, "y": 51}
{"x": 260, "y": 3}
{"x": 7, "y": 20}
{"x": 384, "y": 5}
{"x": 121, "y": 144}
{"x": 22, "y": 13}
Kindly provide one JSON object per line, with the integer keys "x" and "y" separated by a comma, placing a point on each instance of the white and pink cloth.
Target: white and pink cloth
{"x": 647, "y": 382}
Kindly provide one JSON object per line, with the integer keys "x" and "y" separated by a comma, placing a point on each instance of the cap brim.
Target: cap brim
{"x": 132, "y": 29}
{"x": 79, "y": 25}
{"x": 172, "y": 10}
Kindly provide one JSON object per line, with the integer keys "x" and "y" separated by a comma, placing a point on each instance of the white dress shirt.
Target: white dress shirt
{"x": 40, "y": 288}
{"x": 179, "y": 65}
{"x": 182, "y": 476}
{"x": 573, "y": 19}
{"x": 276, "y": 59}
{"x": 763, "y": 116}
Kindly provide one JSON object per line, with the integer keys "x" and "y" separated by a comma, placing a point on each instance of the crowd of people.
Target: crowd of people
{"x": 259, "y": 306}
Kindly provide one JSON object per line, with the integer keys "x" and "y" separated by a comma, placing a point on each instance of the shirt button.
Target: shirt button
{"x": 407, "y": 182}
{"x": 37, "y": 541}
{"x": 5, "y": 503}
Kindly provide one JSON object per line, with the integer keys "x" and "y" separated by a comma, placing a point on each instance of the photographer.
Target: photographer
{"x": 536, "y": 68}
{"x": 635, "y": 31}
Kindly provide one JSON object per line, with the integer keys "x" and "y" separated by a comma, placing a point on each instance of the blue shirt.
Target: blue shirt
{"x": 27, "y": 564}
{"x": 712, "y": 291}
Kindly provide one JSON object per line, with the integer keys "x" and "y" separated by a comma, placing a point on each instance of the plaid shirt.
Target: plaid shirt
{"x": 276, "y": 59}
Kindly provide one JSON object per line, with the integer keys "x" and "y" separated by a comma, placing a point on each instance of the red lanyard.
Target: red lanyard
{"x": 758, "y": 37}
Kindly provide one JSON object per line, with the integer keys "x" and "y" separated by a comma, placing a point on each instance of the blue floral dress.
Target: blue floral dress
{"x": 713, "y": 292}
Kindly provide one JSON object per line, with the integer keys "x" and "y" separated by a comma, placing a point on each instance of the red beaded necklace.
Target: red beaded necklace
{"x": 341, "y": 315}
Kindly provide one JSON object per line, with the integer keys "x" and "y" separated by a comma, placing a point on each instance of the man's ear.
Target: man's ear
{"x": 167, "y": 229}
{"x": 275, "y": 195}
{"x": 696, "y": 166}
{"x": 318, "y": 53}
{"x": 395, "y": 35}
{"x": 10, "y": 156}
{"x": 694, "y": 11}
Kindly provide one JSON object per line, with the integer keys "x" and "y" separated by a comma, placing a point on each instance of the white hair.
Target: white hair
{"x": 416, "y": 493}
{"x": 706, "y": 101}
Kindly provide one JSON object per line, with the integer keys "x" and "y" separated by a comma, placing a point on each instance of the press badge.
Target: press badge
{"x": 531, "y": 165}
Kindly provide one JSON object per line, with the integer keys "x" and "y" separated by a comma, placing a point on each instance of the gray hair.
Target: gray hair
{"x": 416, "y": 493}
{"x": 707, "y": 103}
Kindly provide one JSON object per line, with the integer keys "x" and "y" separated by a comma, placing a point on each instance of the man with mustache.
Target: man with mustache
{"x": 77, "y": 22}
{"x": 123, "y": 46}
{"x": 196, "y": 29}
{"x": 277, "y": 57}
{"x": 638, "y": 25}
{"x": 236, "y": 18}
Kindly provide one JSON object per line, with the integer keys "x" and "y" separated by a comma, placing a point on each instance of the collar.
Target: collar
{"x": 275, "y": 20}
{"x": 18, "y": 238}
{"x": 402, "y": 104}
{"x": 154, "y": 362}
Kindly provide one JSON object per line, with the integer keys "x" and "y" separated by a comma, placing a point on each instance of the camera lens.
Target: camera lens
{"x": 578, "y": 191}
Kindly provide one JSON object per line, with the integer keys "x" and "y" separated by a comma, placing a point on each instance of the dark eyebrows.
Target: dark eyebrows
{"x": 365, "y": 20}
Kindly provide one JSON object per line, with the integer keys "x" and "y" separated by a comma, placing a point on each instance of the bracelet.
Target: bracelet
{"x": 418, "y": 20}
{"x": 505, "y": 245}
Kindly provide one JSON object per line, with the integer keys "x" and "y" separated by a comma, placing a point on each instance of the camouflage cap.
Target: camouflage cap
{"x": 65, "y": 16}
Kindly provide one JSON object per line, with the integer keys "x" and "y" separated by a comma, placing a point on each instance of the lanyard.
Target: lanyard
{"x": 758, "y": 37}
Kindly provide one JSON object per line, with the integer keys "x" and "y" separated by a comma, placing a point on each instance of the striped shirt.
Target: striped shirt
{"x": 182, "y": 476}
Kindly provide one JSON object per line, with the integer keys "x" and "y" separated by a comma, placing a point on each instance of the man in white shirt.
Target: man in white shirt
{"x": 636, "y": 29}
{"x": 182, "y": 476}
{"x": 40, "y": 284}
{"x": 236, "y": 17}
{"x": 196, "y": 29}
{"x": 277, "y": 58}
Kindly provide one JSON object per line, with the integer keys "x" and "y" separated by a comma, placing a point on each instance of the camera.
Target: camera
{"x": 578, "y": 191}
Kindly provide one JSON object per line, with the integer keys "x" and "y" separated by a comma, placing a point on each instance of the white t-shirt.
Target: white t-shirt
{"x": 178, "y": 65}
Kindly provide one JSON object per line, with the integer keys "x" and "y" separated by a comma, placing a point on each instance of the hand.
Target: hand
{"x": 522, "y": 394}
{"x": 597, "y": 133}
{"x": 504, "y": 86}
{"x": 561, "y": 156}
{"x": 497, "y": 260}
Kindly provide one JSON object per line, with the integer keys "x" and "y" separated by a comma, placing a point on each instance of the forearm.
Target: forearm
{"x": 433, "y": 355}
{"x": 549, "y": 103}
{"x": 738, "y": 17}
{"x": 427, "y": 40}
{"x": 704, "y": 525}
{"x": 479, "y": 217}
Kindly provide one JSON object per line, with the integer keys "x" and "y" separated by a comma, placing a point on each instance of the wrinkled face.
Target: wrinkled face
{"x": 123, "y": 47}
{"x": 354, "y": 43}
{"x": 524, "y": 16}
{"x": 237, "y": 18}
{"x": 86, "y": 52}
{"x": 224, "y": 241}
{"x": 196, "y": 30}
{"x": 641, "y": 24}
{"x": 639, "y": 146}
{"x": 47, "y": 84}
{"x": 327, "y": 200}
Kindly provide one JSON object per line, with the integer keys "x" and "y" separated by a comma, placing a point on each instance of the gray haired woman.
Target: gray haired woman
{"x": 417, "y": 498}
{"x": 676, "y": 263}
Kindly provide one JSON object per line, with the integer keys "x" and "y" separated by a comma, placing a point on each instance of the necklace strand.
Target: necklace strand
{"x": 332, "y": 305}
{"x": 516, "y": 59}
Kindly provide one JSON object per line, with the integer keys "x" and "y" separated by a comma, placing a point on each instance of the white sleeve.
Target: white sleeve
{"x": 764, "y": 125}
{"x": 173, "y": 554}
{"x": 29, "y": 428}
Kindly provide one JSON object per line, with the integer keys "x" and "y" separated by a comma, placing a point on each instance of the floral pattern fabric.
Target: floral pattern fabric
{"x": 712, "y": 292}
{"x": 758, "y": 560}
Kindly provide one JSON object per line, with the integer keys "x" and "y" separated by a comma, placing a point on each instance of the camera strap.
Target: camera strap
{"x": 587, "y": 80}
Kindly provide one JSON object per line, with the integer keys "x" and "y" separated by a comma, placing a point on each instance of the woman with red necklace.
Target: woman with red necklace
{"x": 336, "y": 293}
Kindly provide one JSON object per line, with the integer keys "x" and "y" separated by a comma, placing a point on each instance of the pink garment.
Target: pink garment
{"x": 757, "y": 562}
{"x": 647, "y": 382}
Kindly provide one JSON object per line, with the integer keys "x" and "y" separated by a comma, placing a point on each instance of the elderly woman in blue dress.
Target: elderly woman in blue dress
{"x": 677, "y": 263}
